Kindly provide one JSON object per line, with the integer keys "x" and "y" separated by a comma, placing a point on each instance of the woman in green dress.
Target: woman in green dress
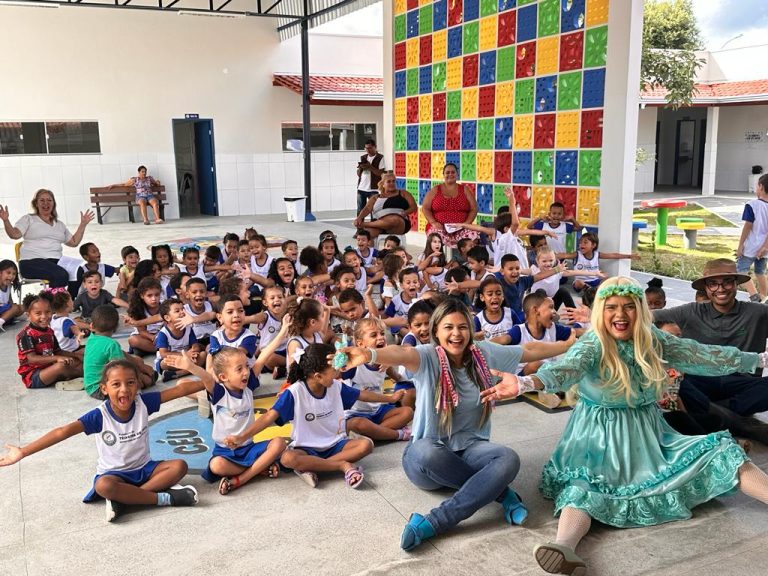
{"x": 617, "y": 460}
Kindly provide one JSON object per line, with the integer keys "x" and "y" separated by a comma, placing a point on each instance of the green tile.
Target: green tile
{"x": 425, "y": 19}
{"x": 595, "y": 46}
{"x": 413, "y": 188}
{"x": 400, "y": 27}
{"x": 412, "y": 81}
{"x": 524, "y": 2}
{"x": 505, "y": 64}
{"x": 549, "y": 17}
{"x": 499, "y": 197}
{"x": 485, "y": 134}
{"x": 488, "y": 7}
{"x": 425, "y": 137}
{"x": 543, "y": 167}
{"x": 400, "y": 138}
{"x": 468, "y": 165}
{"x": 453, "y": 105}
{"x": 524, "y": 96}
{"x": 471, "y": 37}
{"x": 589, "y": 167}
{"x": 438, "y": 77}
{"x": 569, "y": 91}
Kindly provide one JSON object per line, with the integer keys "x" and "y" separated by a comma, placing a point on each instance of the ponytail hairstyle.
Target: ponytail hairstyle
{"x": 656, "y": 287}
{"x": 312, "y": 259}
{"x": 302, "y": 310}
{"x": 313, "y": 360}
{"x": 61, "y": 300}
{"x": 31, "y": 299}
{"x": 220, "y": 360}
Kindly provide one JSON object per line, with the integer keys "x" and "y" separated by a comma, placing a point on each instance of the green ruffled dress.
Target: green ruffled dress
{"x": 623, "y": 464}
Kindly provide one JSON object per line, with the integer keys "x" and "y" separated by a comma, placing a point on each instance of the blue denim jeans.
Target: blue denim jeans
{"x": 480, "y": 474}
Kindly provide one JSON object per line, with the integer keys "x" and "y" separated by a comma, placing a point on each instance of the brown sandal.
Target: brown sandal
{"x": 226, "y": 485}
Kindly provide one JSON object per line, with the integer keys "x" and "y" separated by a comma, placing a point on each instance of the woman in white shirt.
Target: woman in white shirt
{"x": 43, "y": 235}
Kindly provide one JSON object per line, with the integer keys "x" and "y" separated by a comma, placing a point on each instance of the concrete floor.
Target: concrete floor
{"x": 284, "y": 527}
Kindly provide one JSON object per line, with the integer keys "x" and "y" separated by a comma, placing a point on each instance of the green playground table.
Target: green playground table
{"x": 662, "y": 209}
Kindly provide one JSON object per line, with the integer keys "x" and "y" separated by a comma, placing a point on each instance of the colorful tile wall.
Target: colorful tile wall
{"x": 510, "y": 91}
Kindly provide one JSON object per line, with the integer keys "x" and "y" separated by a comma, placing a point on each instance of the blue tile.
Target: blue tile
{"x": 425, "y": 79}
{"x": 471, "y": 10}
{"x": 566, "y": 167}
{"x": 412, "y": 138}
{"x": 412, "y": 24}
{"x": 400, "y": 183}
{"x": 438, "y": 136}
{"x": 469, "y": 134}
{"x": 454, "y": 41}
{"x": 526, "y": 23}
{"x": 546, "y": 94}
{"x": 571, "y": 15}
{"x": 521, "y": 167}
{"x": 400, "y": 84}
{"x": 424, "y": 187}
{"x": 506, "y": 5}
{"x": 439, "y": 15}
{"x": 593, "y": 95}
{"x": 488, "y": 67}
{"x": 485, "y": 198}
{"x": 503, "y": 134}
{"x": 454, "y": 158}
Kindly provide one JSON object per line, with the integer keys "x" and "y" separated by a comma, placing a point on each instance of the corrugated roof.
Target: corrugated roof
{"x": 741, "y": 92}
{"x": 325, "y": 87}
{"x": 296, "y": 7}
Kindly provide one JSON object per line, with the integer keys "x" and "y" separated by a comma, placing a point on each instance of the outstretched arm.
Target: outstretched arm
{"x": 264, "y": 421}
{"x": 186, "y": 386}
{"x": 388, "y": 356}
{"x": 16, "y": 453}
{"x": 272, "y": 346}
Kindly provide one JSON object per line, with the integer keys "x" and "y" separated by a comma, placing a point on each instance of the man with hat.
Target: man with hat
{"x": 726, "y": 401}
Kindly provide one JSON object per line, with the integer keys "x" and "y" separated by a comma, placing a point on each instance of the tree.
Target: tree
{"x": 670, "y": 36}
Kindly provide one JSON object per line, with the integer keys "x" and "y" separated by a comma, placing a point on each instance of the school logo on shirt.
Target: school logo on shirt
{"x": 271, "y": 329}
{"x": 309, "y": 417}
{"x": 109, "y": 437}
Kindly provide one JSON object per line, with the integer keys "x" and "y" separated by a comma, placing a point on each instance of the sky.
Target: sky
{"x": 720, "y": 21}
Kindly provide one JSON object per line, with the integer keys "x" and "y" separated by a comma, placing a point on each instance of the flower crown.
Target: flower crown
{"x": 620, "y": 290}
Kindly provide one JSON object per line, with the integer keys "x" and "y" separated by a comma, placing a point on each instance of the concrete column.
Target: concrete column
{"x": 625, "y": 28}
{"x": 387, "y": 135}
{"x": 710, "y": 152}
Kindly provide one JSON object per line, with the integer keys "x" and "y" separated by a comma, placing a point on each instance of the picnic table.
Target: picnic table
{"x": 662, "y": 209}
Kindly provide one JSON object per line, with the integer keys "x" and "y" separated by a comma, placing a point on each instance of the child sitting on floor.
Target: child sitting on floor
{"x": 68, "y": 333}
{"x": 172, "y": 341}
{"x": 493, "y": 318}
{"x": 92, "y": 256}
{"x": 233, "y": 334}
{"x": 9, "y": 281}
{"x": 93, "y": 295}
{"x": 130, "y": 258}
{"x": 199, "y": 312}
{"x": 144, "y": 316}
{"x": 587, "y": 259}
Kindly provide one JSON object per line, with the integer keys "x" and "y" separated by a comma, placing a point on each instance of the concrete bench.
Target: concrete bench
{"x": 690, "y": 227}
{"x": 637, "y": 225}
{"x": 122, "y": 197}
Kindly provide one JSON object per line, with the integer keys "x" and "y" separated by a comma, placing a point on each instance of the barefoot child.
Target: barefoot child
{"x": 231, "y": 397}
{"x": 125, "y": 472}
{"x": 315, "y": 403}
{"x": 9, "y": 281}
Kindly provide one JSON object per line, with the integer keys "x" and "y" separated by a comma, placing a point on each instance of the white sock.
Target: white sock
{"x": 753, "y": 482}
{"x": 573, "y": 526}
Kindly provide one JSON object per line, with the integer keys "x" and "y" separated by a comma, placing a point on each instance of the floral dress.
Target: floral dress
{"x": 623, "y": 464}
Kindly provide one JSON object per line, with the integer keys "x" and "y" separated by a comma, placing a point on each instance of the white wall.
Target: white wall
{"x": 735, "y": 157}
{"x": 646, "y": 139}
{"x": 747, "y": 63}
{"x": 133, "y": 72}
{"x": 331, "y": 54}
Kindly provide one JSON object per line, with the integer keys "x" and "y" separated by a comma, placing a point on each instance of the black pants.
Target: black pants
{"x": 563, "y": 296}
{"x": 743, "y": 394}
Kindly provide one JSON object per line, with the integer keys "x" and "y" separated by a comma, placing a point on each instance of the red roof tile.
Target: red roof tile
{"x": 746, "y": 91}
{"x": 335, "y": 87}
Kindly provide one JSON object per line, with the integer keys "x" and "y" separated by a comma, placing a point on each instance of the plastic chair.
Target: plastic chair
{"x": 22, "y": 280}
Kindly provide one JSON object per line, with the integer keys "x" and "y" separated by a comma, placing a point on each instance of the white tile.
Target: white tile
{"x": 110, "y": 174}
{"x": 134, "y": 160}
{"x": 276, "y": 175}
{"x": 50, "y": 160}
{"x": 321, "y": 175}
{"x": 129, "y": 171}
{"x": 227, "y": 158}
{"x": 276, "y": 200}
{"x": 293, "y": 177}
{"x": 227, "y": 176}
{"x": 263, "y": 201}
{"x": 72, "y": 179}
{"x": 261, "y": 175}
{"x": 321, "y": 198}
{"x": 32, "y": 178}
{"x": 245, "y": 176}
{"x": 336, "y": 173}
{"x": 260, "y": 158}
{"x": 164, "y": 158}
{"x": 30, "y": 160}
{"x": 52, "y": 178}
{"x": 293, "y": 157}
{"x": 71, "y": 160}
{"x": 228, "y": 202}
{"x": 321, "y": 157}
{"x": 246, "y": 198}
{"x": 244, "y": 158}
{"x": 276, "y": 158}
{"x": 9, "y": 161}
{"x": 10, "y": 182}
{"x": 92, "y": 177}
{"x": 111, "y": 159}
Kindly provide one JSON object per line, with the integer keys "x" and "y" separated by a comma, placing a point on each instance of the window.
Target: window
{"x": 49, "y": 138}
{"x": 336, "y": 136}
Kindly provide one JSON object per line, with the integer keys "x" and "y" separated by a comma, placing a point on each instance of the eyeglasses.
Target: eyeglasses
{"x": 725, "y": 284}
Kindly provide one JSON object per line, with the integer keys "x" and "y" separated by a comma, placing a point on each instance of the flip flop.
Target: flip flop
{"x": 309, "y": 477}
{"x": 558, "y": 559}
{"x": 146, "y": 222}
{"x": 72, "y": 385}
{"x": 226, "y": 485}
{"x": 354, "y": 477}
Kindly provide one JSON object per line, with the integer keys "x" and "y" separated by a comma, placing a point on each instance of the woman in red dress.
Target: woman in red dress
{"x": 450, "y": 203}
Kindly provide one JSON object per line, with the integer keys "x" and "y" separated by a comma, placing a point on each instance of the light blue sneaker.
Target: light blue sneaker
{"x": 515, "y": 511}
{"x": 415, "y": 532}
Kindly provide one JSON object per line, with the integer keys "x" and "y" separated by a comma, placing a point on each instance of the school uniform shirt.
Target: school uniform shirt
{"x": 105, "y": 270}
{"x": 485, "y": 274}
{"x": 410, "y": 339}
{"x": 268, "y": 330}
{"x": 361, "y": 284}
{"x": 318, "y": 422}
{"x": 166, "y": 339}
{"x": 261, "y": 269}
{"x": 550, "y": 284}
{"x": 493, "y": 329}
{"x": 202, "y": 329}
{"x": 520, "y": 334}
{"x": 232, "y": 411}
{"x": 365, "y": 377}
{"x": 153, "y": 328}
{"x": 122, "y": 445}
{"x": 332, "y": 265}
{"x": 588, "y": 265}
{"x": 5, "y": 298}
{"x": 367, "y": 260}
{"x": 398, "y": 308}
{"x": 508, "y": 243}
{"x": 561, "y": 231}
{"x": 513, "y": 293}
{"x": 303, "y": 345}
{"x": 62, "y": 328}
{"x": 34, "y": 340}
{"x": 756, "y": 212}
{"x": 246, "y": 340}
{"x": 438, "y": 280}
{"x": 199, "y": 273}
{"x": 211, "y": 282}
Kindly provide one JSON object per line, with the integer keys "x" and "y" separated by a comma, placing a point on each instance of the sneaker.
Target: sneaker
{"x": 114, "y": 510}
{"x": 70, "y": 385}
{"x": 558, "y": 559}
{"x": 183, "y": 495}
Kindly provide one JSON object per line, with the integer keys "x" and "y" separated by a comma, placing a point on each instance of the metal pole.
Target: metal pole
{"x": 305, "y": 115}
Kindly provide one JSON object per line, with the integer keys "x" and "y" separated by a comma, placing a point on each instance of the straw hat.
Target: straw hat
{"x": 717, "y": 269}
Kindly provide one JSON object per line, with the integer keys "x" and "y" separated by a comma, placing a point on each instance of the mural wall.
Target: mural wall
{"x": 511, "y": 91}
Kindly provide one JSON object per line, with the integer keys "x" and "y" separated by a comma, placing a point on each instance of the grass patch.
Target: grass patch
{"x": 673, "y": 260}
{"x": 691, "y": 211}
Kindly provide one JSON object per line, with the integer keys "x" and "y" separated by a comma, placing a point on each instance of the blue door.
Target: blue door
{"x": 206, "y": 168}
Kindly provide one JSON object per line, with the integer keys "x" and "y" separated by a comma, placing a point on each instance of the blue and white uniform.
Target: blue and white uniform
{"x": 398, "y": 308}
{"x": 261, "y": 269}
{"x": 485, "y": 274}
{"x": 201, "y": 329}
{"x": 333, "y": 264}
{"x": 151, "y": 328}
{"x": 361, "y": 284}
{"x": 367, "y": 377}
{"x": 268, "y": 330}
{"x": 105, "y": 270}
{"x": 5, "y": 298}
{"x": 520, "y": 334}
{"x": 561, "y": 231}
{"x": 246, "y": 340}
{"x": 165, "y": 339}
{"x": 588, "y": 265}
{"x": 410, "y": 339}
{"x": 319, "y": 425}
{"x": 507, "y": 243}
{"x": 550, "y": 284}
{"x": 62, "y": 328}
{"x": 123, "y": 446}
{"x": 367, "y": 260}
{"x": 493, "y": 329}
{"x": 438, "y": 280}
{"x": 303, "y": 344}
{"x": 199, "y": 273}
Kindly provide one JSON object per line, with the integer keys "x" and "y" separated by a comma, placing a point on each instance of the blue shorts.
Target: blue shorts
{"x": 282, "y": 352}
{"x": 375, "y": 417}
{"x": 134, "y": 477}
{"x": 594, "y": 283}
{"x": 146, "y": 196}
{"x": 35, "y": 381}
{"x": 405, "y": 385}
{"x": 243, "y": 456}
{"x": 327, "y": 453}
{"x": 744, "y": 263}
{"x": 4, "y": 308}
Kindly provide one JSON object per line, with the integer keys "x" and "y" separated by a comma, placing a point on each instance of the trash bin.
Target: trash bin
{"x": 295, "y": 208}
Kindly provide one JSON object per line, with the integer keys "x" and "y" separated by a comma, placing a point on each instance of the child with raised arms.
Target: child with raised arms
{"x": 125, "y": 472}
{"x": 493, "y": 317}
{"x": 231, "y": 397}
{"x": 546, "y": 261}
{"x": 9, "y": 281}
{"x": 268, "y": 325}
{"x": 172, "y": 341}
{"x": 587, "y": 259}
{"x": 315, "y": 402}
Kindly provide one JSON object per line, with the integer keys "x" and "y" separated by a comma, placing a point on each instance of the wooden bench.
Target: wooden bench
{"x": 122, "y": 197}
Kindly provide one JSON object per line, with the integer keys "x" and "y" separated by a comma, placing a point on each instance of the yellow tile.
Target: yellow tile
{"x": 505, "y": 99}
{"x": 542, "y": 198}
{"x": 547, "y": 55}
{"x": 485, "y": 166}
{"x": 439, "y": 46}
{"x": 588, "y": 206}
{"x": 488, "y": 28}
{"x": 567, "y": 135}
{"x": 412, "y": 164}
{"x": 400, "y": 111}
{"x": 425, "y": 2}
{"x": 400, "y": 6}
{"x": 522, "y": 126}
{"x": 412, "y": 53}
{"x": 597, "y": 12}
{"x": 453, "y": 73}
{"x": 469, "y": 103}
{"x": 425, "y": 108}
{"x": 422, "y": 222}
{"x": 438, "y": 162}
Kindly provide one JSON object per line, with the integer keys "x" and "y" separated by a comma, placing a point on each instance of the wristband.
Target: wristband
{"x": 373, "y": 355}
{"x": 762, "y": 360}
{"x": 525, "y": 384}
